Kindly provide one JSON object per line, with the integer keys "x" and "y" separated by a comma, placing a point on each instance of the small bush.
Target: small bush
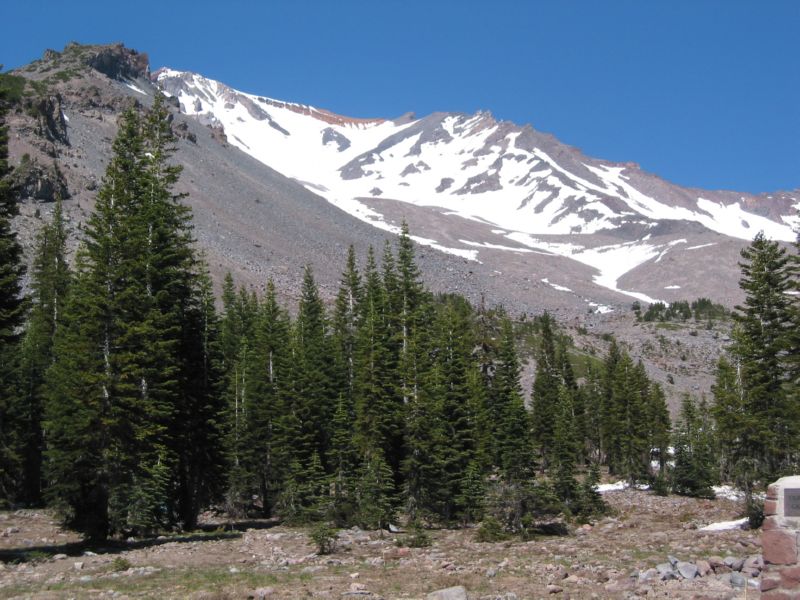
{"x": 324, "y": 537}
{"x": 490, "y": 531}
{"x": 418, "y": 539}
{"x": 660, "y": 485}
{"x": 120, "y": 564}
{"x": 754, "y": 508}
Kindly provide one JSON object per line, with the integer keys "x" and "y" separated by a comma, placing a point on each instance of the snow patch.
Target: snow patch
{"x": 601, "y": 308}
{"x": 672, "y": 287}
{"x": 555, "y": 286}
{"x": 725, "y": 525}
{"x": 135, "y": 88}
{"x": 619, "y": 486}
{"x": 489, "y": 246}
{"x": 463, "y": 253}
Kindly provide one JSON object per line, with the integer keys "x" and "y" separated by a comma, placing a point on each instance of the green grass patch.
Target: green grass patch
{"x": 167, "y": 583}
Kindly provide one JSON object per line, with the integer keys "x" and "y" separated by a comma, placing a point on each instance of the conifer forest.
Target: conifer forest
{"x": 132, "y": 399}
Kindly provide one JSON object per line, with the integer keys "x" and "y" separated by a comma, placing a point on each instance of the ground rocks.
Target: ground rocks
{"x": 453, "y": 593}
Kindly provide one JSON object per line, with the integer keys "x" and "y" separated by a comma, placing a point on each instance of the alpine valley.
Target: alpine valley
{"x": 502, "y": 212}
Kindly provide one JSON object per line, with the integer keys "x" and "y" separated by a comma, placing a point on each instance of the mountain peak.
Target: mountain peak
{"x": 115, "y": 61}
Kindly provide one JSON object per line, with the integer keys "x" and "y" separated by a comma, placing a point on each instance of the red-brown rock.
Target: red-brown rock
{"x": 779, "y": 546}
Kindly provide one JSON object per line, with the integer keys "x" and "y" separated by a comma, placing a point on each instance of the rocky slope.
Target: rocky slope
{"x": 496, "y": 193}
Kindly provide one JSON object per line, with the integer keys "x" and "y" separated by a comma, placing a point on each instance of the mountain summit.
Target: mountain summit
{"x": 479, "y": 187}
{"x": 509, "y": 213}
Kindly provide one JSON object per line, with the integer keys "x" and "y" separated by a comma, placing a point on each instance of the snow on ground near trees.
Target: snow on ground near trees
{"x": 724, "y": 525}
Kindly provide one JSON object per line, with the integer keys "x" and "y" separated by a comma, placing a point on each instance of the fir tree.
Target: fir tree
{"x": 346, "y": 320}
{"x": 762, "y": 336}
{"x": 375, "y": 495}
{"x": 12, "y": 314}
{"x": 313, "y": 373}
{"x": 133, "y": 296}
{"x": 693, "y": 474}
{"x": 50, "y": 282}
{"x": 267, "y": 398}
{"x": 564, "y": 450}
{"x": 512, "y": 439}
{"x": 545, "y": 396}
{"x": 729, "y": 415}
{"x": 453, "y": 358}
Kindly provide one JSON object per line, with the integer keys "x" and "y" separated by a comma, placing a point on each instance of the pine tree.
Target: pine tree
{"x": 50, "y": 282}
{"x": 630, "y": 390}
{"x": 130, "y": 315}
{"x": 346, "y": 320}
{"x": 730, "y": 419}
{"x": 658, "y": 424}
{"x": 12, "y": 314}
{"x": 693, "y": 474}
{"x": 375, "y": 423}
{"x": 423, "y": 467}
{"x": 512, "y": 438}
{"x": 313, "y": 375}
{"x": 545, "y": 396}
{"x": 197, "y": 430}
{"x": 564, "y": 450}
{"x": 762, "y": 335}
{"x": 267, "y": 398}
{"x": 375, "y": 503}
{"x": 454, "y": 343}
{"x": 344, "y": 462}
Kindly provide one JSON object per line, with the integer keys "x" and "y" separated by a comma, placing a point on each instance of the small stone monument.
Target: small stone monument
{"x": 779, "y": 540}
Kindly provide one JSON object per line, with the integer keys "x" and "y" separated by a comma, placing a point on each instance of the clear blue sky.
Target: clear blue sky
{"x": 704, "y": 93}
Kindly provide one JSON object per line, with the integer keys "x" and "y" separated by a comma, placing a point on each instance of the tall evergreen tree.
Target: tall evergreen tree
{"x": 762, "y": 334}
{"x": 12, "y": 314}
{"x": 545, "y": 396}
{"x": 346, "y": 320}
{"x": 314, "y": 377}
{"x": 50, "y": 283}
{"x": 455, "y": 343}
{"x": 512, "y": 437}
{"x": 564, "y": 450}
{"x": 269, "y": 372}
{"x": 130, "y": 310}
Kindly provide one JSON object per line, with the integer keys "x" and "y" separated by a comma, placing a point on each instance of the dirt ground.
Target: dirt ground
{"x": 612, "y": 558}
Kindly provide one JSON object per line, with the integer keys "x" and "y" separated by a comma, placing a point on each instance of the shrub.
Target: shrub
{"x": 754, "y": 508}
{"x": 120, "y": 564}
{"x": 490, "y": 531}
{"x": 418, "y": 539}
{"x": 324, "y": 537}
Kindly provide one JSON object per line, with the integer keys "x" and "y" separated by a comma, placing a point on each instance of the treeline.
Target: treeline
{"x": 701, "y": 309}
{"x": 129, "y": 405}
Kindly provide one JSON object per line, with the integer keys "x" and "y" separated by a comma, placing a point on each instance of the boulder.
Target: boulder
{"x": 686, "y": 570}
{"x": 453, "y": 593}
{"x": 703, "y": 567}
{"x": 733, "y": 563}
{"x": 648, "y": 575}
{"x": 737, "y": 580}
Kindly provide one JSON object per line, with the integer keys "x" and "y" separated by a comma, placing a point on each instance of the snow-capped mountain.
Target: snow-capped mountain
{"x": 523, "y": 192}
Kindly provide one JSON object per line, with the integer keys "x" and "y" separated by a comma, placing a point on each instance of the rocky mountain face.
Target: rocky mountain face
{"x": 503, "y": 195}
{"x": 503, "y": 213}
